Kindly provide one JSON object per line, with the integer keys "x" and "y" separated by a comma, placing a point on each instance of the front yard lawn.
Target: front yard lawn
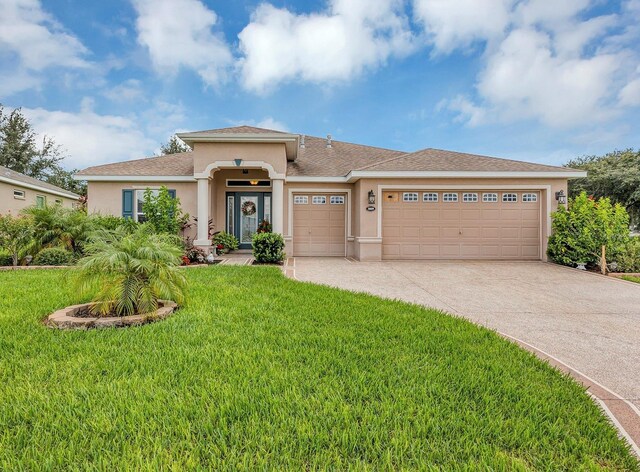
{"x": 631, "y": 278}
{"x": 261, "y": 372}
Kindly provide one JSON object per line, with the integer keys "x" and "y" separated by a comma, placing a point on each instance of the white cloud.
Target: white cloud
{"x": 458, "y": 24}
{"x": 31, "y": 40}
{"x": 630, "y": 94}
{"x": 338, "y": 44}
{"x": 178, "y": 33}
{"x": 547, "y": 66}
{"x": 127, "y": 91}
{"x": 90, "y": 138}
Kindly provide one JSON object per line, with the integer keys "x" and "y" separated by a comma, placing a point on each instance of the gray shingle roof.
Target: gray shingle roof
{"x": 25, "y": 179}
{"x": 316, "y": 159}
{"x": 170, "y": 164}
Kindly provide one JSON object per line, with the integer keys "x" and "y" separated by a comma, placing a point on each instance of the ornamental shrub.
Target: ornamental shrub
{"x": 53, "y": 256}
{"x": 128, "y": 273}
{"x": 5, "y": 259}
{"x": 111, "y": 222}
{"x": 629, "y": 258}
{"x": 580, "y": 231}
{"x": 268, "y": 247}
{"x": 163, "y": 211}
{"x": 224, "y": 242}
{"x": 16, "y": 236}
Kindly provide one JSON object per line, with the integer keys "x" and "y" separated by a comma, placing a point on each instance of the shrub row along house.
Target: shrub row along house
{"x": 332, "y": 198}
{"x": 19, "y": 191}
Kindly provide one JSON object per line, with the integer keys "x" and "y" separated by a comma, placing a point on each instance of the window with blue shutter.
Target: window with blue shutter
{"x": 127, "y": 203}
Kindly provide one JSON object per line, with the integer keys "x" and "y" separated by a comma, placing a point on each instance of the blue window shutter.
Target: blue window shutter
{"x": 172, "y": 193}
{"x": 127, "y": 203}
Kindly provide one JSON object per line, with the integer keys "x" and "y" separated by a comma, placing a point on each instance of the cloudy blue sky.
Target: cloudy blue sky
{"x": 537, "y": 80}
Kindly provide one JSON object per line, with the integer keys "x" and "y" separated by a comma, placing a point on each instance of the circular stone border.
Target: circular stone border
{"x": 64, "y": 319}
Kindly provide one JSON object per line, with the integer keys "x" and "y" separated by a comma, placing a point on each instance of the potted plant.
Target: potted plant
{"x": 224, "y": 242}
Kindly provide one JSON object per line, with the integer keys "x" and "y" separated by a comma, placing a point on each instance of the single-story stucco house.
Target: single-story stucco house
{"x": 19, "y": 191}
{"x": 333, "y": 198}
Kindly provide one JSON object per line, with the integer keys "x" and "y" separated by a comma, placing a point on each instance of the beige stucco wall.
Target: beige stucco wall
{"x": 271, "y": 153}
{"x": 105, "y": 198}
{"x": 9, "y": 204}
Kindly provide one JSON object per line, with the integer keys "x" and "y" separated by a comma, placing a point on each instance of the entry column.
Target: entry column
{"x": 203, "y": 213}
{"x": 277, "y": 212}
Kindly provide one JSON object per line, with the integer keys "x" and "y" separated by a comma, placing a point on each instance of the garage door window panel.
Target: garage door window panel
{"x": 409, "y": 197}
{"x": 319, "y": 200}
{"x": 510, "y": 197}
{"x": 470, "y": 197}
{"x": 529, "y": 197}
{"x": 300, "y": 200}
{"x": 450, "y": 197}
{"x": 430, "y": 197}
{"x": 490, "y": 197}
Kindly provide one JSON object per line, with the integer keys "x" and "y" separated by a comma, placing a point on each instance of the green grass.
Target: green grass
{"x": 261, "y": 372}
{"x": 631, "y": 278}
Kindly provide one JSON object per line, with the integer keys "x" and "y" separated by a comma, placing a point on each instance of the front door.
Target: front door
{"x": 245, "y": 212}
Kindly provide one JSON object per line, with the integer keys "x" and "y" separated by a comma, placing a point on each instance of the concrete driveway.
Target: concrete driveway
{"x": 589, "y": 322}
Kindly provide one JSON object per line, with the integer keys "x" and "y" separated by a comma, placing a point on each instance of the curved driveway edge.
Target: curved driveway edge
{"x": 584, "y": 324}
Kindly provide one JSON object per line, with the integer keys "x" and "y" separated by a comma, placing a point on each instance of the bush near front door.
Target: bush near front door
{"x": 268, "y": 248}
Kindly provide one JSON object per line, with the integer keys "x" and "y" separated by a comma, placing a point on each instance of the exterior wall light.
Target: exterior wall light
{"x": 561, "y": 198}
{"x": 372, "y": 197}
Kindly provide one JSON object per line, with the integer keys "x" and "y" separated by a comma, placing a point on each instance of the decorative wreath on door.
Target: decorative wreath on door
{"x": 248, "y": 208}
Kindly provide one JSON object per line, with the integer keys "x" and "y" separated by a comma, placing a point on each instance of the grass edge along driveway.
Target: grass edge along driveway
{"x": 259, "y": 371}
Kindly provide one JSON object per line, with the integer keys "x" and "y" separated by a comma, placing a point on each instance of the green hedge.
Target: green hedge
{"x": 5, "y": 259}
{"x": 268, "y": 247}
{"x": 53, "y": 256}
{"x": 629, "y": 258}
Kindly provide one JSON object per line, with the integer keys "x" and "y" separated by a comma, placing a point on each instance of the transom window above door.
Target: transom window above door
{"x": 410, "y": 197}
{"x": 469, "y": 197}
{"x": 489, "y": 197}
{"x": 319, "y": 200}
{"x": 449, "y": 197}
{"x": 429, "y": 197}
{"x": 248, "y": 183}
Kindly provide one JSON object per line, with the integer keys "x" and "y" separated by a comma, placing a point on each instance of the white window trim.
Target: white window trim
{"x": 406, "y": 199}
{"x": 450, "y": 194}
{"x": 336, "y": 199}
{"x": 494, "y": 197}
{"x": 135, "y": 199}
{"x": 19, "y": 197}
{"x": 319, "y": 200}
{"x": 474, "y": 197}
{"x": 509, "y": 201}
{"x": 430, "y": 194}
{"x": 300, "y": 200}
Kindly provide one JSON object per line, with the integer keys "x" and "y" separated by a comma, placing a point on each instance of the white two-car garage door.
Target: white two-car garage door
{"x": 454, "y": 224}
{"x": 319, "y": 224}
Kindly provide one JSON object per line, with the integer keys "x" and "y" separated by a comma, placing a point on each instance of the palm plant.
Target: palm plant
{"x": 128, "y": 272}
{"x": 57, "y": 226}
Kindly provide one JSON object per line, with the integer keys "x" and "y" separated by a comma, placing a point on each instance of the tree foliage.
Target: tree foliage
{"x": 127, "y": 273}
{"x": 615, "y": 175}
{"x": 163, "y": 211}
{"x": 581, "y": 230}
{"x": 174, "y": 146}
{"x": 19, "y": 151}
{"x": 16, "y": 236}
{"x": 56, "y": 226}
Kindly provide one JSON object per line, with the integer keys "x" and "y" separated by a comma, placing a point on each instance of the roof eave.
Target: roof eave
{"x": 289, "y": 140}
{"x": 19, "y": 183}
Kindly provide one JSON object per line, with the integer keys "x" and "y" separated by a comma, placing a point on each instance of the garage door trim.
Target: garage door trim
{"x": 383, "y": 187}
{"x": 348, "y": 225}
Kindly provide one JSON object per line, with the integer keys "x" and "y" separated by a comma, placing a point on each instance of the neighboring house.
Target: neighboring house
{"x": 18, "y": 191}
{"x": 332, "y": 198}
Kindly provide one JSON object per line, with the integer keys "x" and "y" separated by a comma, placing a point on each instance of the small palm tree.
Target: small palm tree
{"x": 129, "y": 272}
{"x": 57, "y": 226}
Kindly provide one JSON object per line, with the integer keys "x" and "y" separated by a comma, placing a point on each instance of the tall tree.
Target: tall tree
{"x": 19, "y": 151}
{"x": 174, "y": 146}
{"x": 18, "y": 148}
{"x": 615, "y": 175}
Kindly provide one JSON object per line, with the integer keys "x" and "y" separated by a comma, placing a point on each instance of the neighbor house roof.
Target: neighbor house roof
{"x": 318, "y": 159}
{"x": 22, "y": 180}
